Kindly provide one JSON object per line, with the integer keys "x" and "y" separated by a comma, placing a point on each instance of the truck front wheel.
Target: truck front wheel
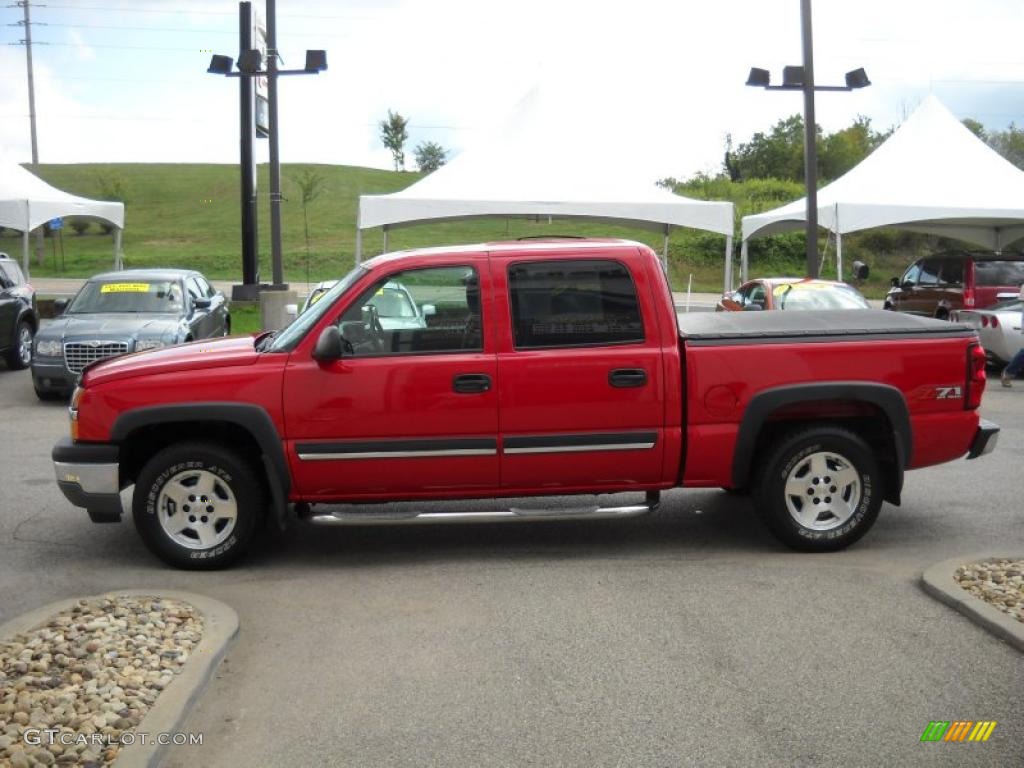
{"x": 820, "y": 489}
{"x": 196, "y": 505}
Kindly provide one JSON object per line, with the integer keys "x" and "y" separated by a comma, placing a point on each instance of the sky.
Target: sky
{"x": 649, "y": 87}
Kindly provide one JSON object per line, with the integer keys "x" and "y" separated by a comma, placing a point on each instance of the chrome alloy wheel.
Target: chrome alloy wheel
{"x": 25, "y": 345}
{"x": 197, "y": 509}
{"x": 823, "y": 491}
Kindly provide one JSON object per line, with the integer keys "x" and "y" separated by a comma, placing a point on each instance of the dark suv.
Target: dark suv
{"x": 18, "y": 319}
{"x": 936, "y": 285}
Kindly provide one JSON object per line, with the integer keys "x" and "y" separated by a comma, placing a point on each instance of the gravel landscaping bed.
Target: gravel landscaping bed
{"x": 999, "y": 582}
{"x": 91, "y": 672}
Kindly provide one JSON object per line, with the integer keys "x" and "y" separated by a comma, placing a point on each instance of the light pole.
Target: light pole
{"x": 250, "y": 64}
{"x": 802, "y": 79}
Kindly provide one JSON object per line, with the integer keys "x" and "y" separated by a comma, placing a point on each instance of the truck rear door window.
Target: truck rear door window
{"x": 999, "y": 273}
{"x": 573, "y": 304}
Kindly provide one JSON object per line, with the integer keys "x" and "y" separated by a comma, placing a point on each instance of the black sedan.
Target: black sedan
{"x": 120, "y": 312}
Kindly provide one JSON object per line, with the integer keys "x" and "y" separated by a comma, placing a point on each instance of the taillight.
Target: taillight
{"x": 994, "y": 321}
{"x": 984, "y": 321}
{"x": 975, "y": 376}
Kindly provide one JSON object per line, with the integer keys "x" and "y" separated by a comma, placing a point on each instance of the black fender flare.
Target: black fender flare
{"x": 887, "y": 398}
{"x": 252, "y": 418}
{"x": 28, "y": 315}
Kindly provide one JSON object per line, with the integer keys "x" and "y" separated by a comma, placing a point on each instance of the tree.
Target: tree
{"x": 394, "y": 132}
{"x": 975, "y": 127}
{"x": 430, "y": 156}
{"x": 310, "y": 184}
{"x": 1009, "y": 144}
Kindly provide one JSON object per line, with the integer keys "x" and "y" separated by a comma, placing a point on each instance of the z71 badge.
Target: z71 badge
{"x": 948, "y": 393}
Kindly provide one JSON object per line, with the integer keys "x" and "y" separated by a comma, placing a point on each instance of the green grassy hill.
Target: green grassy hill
{"x": 187, "y": 215}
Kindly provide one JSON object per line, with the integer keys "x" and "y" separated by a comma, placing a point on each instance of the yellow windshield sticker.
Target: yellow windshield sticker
{"x": 124, "y": 288}
{"x": 316, "y": 298}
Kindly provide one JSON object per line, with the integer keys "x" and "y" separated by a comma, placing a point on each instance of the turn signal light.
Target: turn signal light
{"x": 73, "y": 411}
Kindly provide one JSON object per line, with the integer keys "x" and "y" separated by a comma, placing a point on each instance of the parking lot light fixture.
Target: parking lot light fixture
{"x": 801, "y": 78}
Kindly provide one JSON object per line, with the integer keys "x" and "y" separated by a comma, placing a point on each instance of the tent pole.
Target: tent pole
{"x": 743, "y": 262}
{"x": 118, "y": 261}
{"x": 359, "y": 244}
{"x": 728, "y": 263}
{"x": 24, "y": 253}
{"x": 839, "y": 256}
{"x": 664, "y": 248}
{"x": 385, "y": 239}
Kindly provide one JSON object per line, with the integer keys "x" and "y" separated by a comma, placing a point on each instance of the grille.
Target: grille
{"x": 77, "y": 355}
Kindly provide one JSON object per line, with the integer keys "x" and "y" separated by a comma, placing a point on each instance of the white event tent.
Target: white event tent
{"x": 528, "y": 169}
{"x": 26, "y": 202}
{"x": 933, "y": 175}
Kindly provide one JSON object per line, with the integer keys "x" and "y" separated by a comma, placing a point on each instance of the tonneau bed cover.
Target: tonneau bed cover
{"x": 717, "y": 328}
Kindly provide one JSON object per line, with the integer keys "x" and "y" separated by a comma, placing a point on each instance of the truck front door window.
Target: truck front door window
{"x": 420, "y": 311}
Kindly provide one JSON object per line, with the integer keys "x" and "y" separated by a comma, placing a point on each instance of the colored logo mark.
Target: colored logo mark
{"x": 958, "y": 730}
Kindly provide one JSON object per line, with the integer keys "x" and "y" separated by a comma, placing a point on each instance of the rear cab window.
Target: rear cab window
{"x": 573, "y": 303}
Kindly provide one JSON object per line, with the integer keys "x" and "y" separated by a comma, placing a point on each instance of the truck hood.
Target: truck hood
{"x": 197, "y": 355}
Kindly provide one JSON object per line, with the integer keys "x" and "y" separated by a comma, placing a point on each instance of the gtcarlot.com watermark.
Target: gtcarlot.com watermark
{"x": 44, "y": 737}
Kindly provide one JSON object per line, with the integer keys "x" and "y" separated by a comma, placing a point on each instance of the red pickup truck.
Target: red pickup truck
{"x": 524, "y": 369}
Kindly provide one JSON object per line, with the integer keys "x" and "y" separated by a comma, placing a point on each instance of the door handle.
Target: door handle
{"x": 471, "y": 383}
{"x": 624, "y": 378}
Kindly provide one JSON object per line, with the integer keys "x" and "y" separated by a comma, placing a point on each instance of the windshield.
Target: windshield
{"x": 287, "y": 339}
{"x": 103, "y": 296}
{"x": 999, "y": 273}
{"x": 819, "y": 297}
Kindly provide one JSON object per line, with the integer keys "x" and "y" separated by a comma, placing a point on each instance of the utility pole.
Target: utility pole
{"x": 810, "y": 141}
{"x": 249, "y": 289}
{"x": 275, "y": 161}
{"x": 27, "y": 42}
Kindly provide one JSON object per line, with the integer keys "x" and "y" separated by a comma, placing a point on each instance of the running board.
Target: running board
{"x": 499, "y": 516}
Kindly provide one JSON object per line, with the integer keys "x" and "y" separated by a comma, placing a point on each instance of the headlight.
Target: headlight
{"x": 144, "y": 344}
{"x": 48, "y": 348}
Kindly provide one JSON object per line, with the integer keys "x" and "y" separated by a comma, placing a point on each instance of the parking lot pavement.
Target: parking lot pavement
{"x": 684, "y": 638}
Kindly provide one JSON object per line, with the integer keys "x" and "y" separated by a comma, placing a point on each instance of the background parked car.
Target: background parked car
{"x": 998, "y": 328}
{"x": 395, "y": 305}
{"x": 937, "y": 285}
{"x": 792, "y": 293}
{"x": 18, "y": 319}
{"x": 120, "y": 312}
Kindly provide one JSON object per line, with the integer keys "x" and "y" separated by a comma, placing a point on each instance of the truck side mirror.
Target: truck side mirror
{"x": 328, "y": 347}
{"x": 59, "y": 305}
{"x": 861, "y": 270}
{"x": 895, "y": 282}
{"x": 429, "y": 310}
{"x": 202, "y": 302}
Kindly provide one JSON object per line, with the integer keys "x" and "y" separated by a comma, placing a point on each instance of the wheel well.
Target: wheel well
{"x": 143, "y": 443}
{"x": 865, "y": 419}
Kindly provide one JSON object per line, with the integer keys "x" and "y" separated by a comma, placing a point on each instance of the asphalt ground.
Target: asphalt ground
{"x": 689, "y": 637}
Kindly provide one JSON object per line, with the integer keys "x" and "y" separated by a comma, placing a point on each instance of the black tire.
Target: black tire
{"x": 855, "y": 487}
{"x": 16, "y": 357}
{"x": 230, "y": 478}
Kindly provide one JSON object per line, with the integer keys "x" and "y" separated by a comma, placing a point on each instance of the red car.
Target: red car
{"x": 546, "y": 368}
{"x": 792, "y": 293}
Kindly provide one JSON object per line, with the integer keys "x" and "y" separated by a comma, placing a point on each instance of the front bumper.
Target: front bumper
{"x": 985, "y": 439}
{"x": 50, "y": 375}
{"x": 88, "y": 475}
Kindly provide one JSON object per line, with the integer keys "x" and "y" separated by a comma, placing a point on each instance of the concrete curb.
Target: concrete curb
{"x": 938, "y": 582}
{"x": 174, "y": 704}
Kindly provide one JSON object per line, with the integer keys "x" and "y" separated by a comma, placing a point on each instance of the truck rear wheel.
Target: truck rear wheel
{"x": 820, "y": 489}
{"x": 196, "y": 505}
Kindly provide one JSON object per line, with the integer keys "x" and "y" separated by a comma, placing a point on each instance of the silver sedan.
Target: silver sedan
{"x": 998, "y": 327}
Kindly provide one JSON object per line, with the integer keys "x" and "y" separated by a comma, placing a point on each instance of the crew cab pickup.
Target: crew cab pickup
{"x": 544, "y": 368}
